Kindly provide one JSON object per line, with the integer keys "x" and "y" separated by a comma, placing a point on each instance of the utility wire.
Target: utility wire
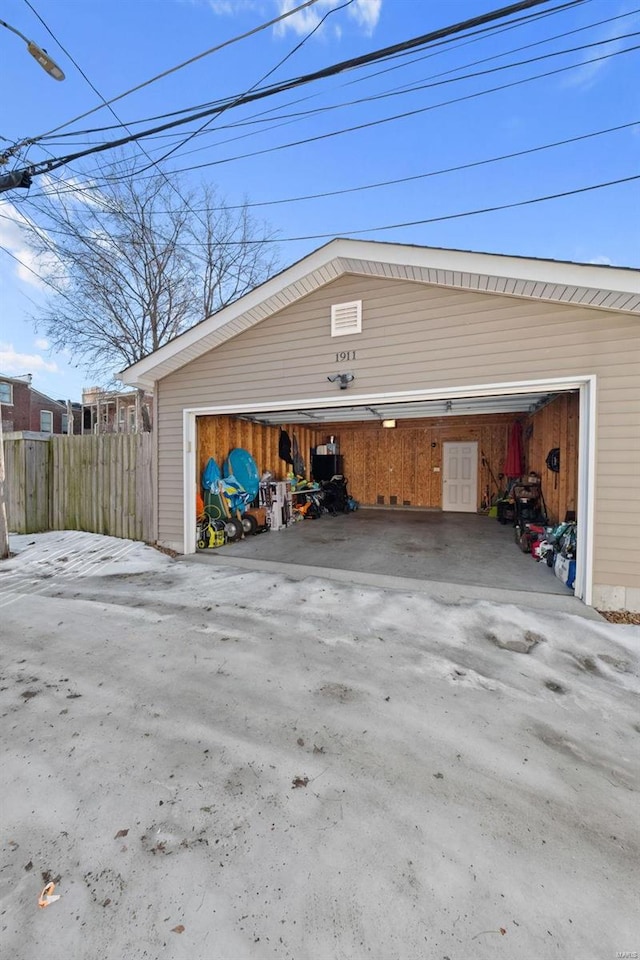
{"x": 44, "y": 280}
{"x": 410, "y": 87}
{"x": 399, "y": 116}
{"x": 371, "y": 123}
{"x": 112, "y": 111}
{"x": 492, "y": 31}
{"x": 414, "y": 177}
{"x": 449, "y": 43}
{"x": 397, "y": 91}
{"x": 43, "y": 233}
{"x": 411, "y": 223}
{"x": 308, "y": 78}
{"x": 186, "y": 63}
{"x": 296, "y": 117}
{"x": 394, "y": 117}
{"x": 457, "y": 216}
{"x": 155, "y": 163}
{"x": 229, "y": 106}
{"x": 91, "y": 239}
{"x": 434, "y": 173}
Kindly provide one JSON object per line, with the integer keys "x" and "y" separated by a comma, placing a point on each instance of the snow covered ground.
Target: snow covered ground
{"x": 216, "y": 764}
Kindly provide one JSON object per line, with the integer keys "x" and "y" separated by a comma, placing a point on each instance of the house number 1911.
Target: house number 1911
{"x": 345, "y": 355}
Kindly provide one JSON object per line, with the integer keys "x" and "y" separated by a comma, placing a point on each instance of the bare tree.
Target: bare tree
{"x": 135, "y": 263}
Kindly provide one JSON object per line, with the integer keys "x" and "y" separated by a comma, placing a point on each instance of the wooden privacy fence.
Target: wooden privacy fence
{"x": 98, "y": 483}
{"x": 27, "y": 485}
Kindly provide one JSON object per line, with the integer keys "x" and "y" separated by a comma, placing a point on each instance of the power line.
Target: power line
{"x": 418, "y": 176}
{"x": 112, "y": 111}
{"x": 404, "y": 89}
{"x": 295, "y": 117}
{"x": 332, "y": 70}
{"x": 37, "y": 275}
{"x": 363, "y": 187}
{"x": 203, "y": 127}
{"x": 186, "y": 63}
{"x": 155, "y": 163}
{"x": 436, "y": 173}
{"x": 477, "y": 35}
{"x": 400, "y": 116}
{"x": 411, "y": 88}
{"x": 458, "y": 216}
{"x": 450, "y": 43}
{"x": 414, "y": 223}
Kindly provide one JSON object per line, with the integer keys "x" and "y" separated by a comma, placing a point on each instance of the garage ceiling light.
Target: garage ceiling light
{"x": 388, "y": 423}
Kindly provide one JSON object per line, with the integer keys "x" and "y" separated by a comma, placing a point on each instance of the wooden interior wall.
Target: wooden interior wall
{"x": 556, "y": 425}
{"x": 219, "y": 435}
{"x": 403, "y": 465}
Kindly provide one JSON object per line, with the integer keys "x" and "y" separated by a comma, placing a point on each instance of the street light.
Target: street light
{"x": 46, "y": 62}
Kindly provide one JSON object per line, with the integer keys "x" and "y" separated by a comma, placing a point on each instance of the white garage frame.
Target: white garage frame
{"x": 586, "y": 445}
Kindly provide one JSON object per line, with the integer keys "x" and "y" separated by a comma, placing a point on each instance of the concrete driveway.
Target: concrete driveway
{"x": 219, "y": 763}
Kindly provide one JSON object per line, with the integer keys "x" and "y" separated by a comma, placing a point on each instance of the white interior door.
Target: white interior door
{"x": 460, "y": 477}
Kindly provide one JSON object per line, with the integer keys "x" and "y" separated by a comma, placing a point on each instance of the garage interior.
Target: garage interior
{"x": 396, "y": 472}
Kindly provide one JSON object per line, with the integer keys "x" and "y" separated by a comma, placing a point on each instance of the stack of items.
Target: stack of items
{"x": 276, "y": 501}
{"x": 227, "y": 512}
{"x": 524, "y": 506}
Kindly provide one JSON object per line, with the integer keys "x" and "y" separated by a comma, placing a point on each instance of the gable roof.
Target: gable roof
{"x": 23, "y": 382}
{"x": 578, "y": 284}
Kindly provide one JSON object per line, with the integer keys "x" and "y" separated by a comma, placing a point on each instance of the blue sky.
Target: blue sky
{"x": 121, "y": 44}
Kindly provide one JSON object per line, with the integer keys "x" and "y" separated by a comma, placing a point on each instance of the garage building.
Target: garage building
{"x": 452, "y": 346}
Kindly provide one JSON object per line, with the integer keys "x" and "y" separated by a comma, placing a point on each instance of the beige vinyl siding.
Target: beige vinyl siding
{"x": 419, "y": 337}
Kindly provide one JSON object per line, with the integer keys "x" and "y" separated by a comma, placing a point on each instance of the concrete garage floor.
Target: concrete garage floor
{"x": 428, "y": 545}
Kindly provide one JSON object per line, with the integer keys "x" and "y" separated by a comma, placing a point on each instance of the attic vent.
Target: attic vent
{"x": 346, "y": 318}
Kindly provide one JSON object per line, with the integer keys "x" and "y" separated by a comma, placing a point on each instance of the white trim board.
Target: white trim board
{"x": 586, "y": 384}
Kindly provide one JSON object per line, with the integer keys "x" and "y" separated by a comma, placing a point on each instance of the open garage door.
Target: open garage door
{"x": 393, "y": 453}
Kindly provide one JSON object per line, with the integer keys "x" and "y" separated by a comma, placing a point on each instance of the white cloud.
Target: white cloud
{"x": 305, "y": 20}
{"x": 229, "y": 8}
{"x": 224, "y": 8}
{"x": 585, "y": 77}
{"x": 601, "y": 261}
{"x": 12, "y": 362}
{"x": 29, "y": 267}
{"x": 364, "y": 13}
{"x": 42, "y": 344}
{"x": 72, "y": 189}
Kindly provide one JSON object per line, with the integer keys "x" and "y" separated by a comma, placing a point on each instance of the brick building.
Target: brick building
{"x": 25, "y": 408}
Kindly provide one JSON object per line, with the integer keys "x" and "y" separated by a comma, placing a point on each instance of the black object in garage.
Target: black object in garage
{"x": 325, "y": 466}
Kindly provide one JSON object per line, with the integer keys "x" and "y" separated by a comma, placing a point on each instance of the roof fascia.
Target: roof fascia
{"x": 599, "y": 276}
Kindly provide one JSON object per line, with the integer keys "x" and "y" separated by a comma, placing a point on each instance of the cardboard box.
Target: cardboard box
{"x": 260, "y": 513}
{"x": 565, "y": 570}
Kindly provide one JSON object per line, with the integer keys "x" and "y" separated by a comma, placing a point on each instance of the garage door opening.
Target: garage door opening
{"x": 427, "y": 481}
